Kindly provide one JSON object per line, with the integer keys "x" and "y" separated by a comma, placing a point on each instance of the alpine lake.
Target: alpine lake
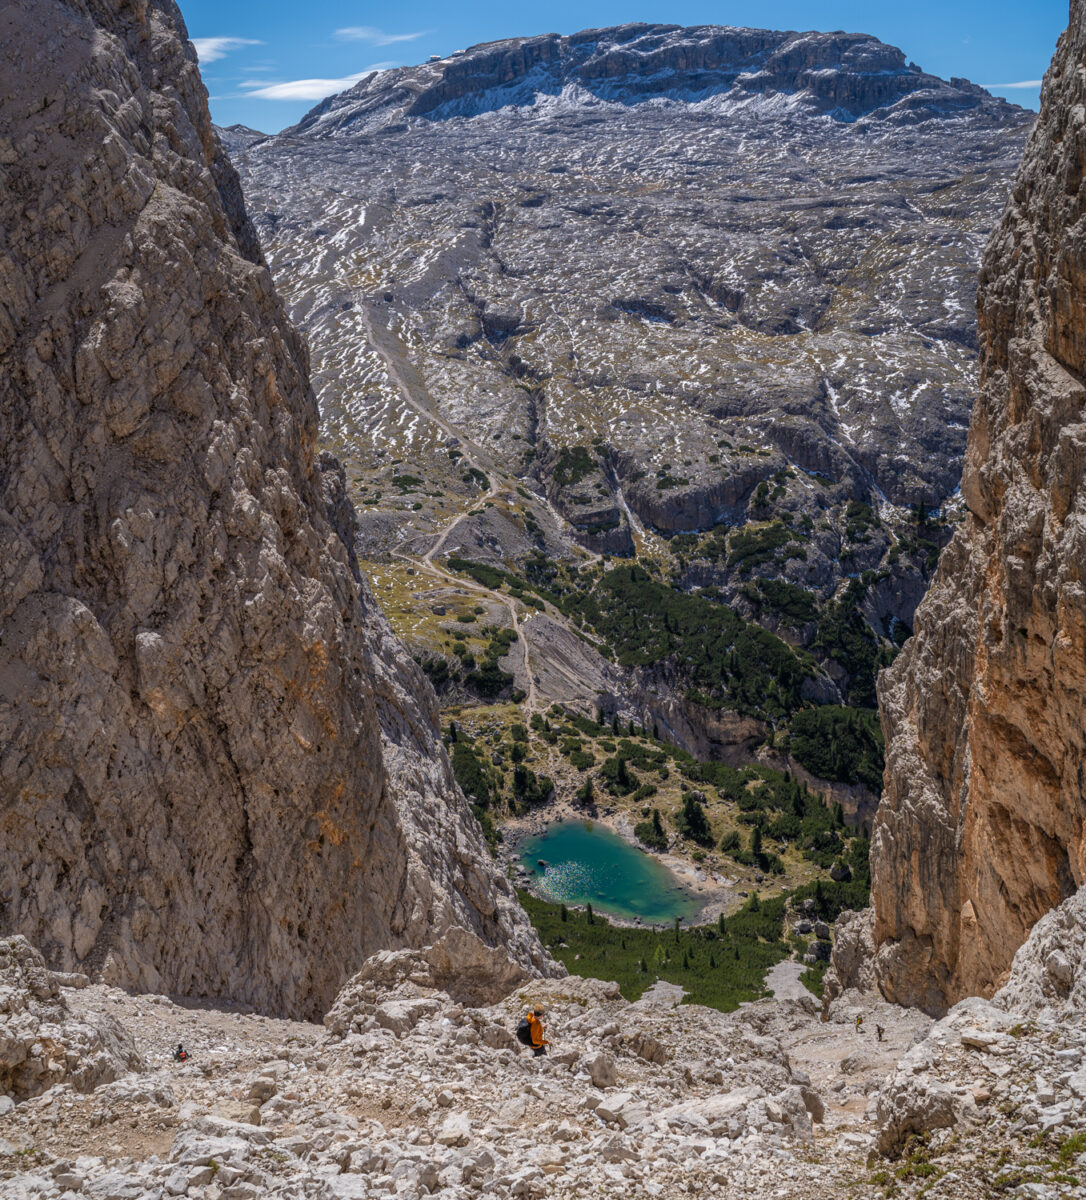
{"x": 581, "y": 862}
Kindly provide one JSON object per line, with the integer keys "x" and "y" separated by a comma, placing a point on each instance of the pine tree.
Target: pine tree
{"x": 676, "y": 929}
{"x": 591, "y": 915}
{"x": 712, "y": 961}
{"x": 693, "y": 822}
{"x": 721, "y": 925}
{"x": 614, "y": 724}
{"x": 454, "y": 733}
{"x": 563, "y": 912}
{"x": 642, "y": 966}
{"x": 756, "y": 841}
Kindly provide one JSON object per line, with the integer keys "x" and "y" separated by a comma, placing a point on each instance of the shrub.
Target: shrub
{"x": 471, "y": 773}
{"x": 751, "y": 546}
{"x": 572, "y": 465}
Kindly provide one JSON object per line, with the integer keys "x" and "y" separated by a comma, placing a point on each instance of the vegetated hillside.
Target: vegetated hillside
{"x": 699, "y": 296}
{"x": 221, "y": 773}
{"x": 981, "y": 830}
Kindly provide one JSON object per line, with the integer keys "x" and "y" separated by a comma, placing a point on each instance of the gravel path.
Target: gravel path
{"x": 783, "y": 981}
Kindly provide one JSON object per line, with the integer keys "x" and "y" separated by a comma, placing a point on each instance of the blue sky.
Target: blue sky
{"x": 266, "y": 64}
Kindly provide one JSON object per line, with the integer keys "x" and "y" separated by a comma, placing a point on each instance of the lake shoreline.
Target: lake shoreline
{"x": 713, "y": 894}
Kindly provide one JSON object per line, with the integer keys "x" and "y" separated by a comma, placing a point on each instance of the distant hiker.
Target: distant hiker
{"x": 530, "y": 1031}
{"x": 859, "y": 1023}
{"x": 879, "y": 1031}
{"x": 180, "y": 1054}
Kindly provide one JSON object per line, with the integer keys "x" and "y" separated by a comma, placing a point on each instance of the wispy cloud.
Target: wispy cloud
{"x": 1022, "y": 83}
{"x": 307, "y": 89}
{"x": 211, "y": 49}
{"x": 376, "y": 37}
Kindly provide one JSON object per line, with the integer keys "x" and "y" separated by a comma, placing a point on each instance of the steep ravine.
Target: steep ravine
{"x": 220, "y": 774}
{"x": 980, "y": 831}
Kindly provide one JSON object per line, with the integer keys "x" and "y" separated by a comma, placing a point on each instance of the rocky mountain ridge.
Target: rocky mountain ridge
{"x": 221, "y": 774}
{"x": 847, "y": 76}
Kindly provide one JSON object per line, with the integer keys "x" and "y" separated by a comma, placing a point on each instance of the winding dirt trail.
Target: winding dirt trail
{"x": 414, "y": 392}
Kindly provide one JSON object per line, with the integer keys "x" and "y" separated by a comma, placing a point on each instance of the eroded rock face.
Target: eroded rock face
{"x": 981, "y": 828}
{"x": 220, "y": 773}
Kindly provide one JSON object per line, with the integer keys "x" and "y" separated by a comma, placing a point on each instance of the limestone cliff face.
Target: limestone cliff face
{"x": 980, "y": 831}
{"x": 219, "y": 772}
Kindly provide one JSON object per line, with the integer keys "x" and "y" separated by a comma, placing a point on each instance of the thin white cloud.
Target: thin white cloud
{"x": 376, "y": 37}
{"x": 209, "y": 50}
{"x": 1022, "y": 83}
{"x": 307, "y": 89}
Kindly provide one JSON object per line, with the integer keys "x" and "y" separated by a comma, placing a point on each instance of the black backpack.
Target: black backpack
{"x": 524, "y": 1032}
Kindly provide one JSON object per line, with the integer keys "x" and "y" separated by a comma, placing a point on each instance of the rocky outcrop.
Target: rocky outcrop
{"x": 44, "y": 1042}
{"x": 1049, "y": 969}
{"x": 1033, "y": 1032}
{"x": 220, "y": 774}
{"x": 980, "y": 831}
{"x": 853, "y": 955}
{"x": 458, "y": 965}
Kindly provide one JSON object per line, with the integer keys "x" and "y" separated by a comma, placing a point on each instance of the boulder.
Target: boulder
{"x": 852, "y": 959}
{"x": 401, "y": 1015}
{"x": 601, "y": 1070}
{"x": 915, "y": 1104}
{"x": 455, "y": 1130}
{"x": 645, "y": 1046}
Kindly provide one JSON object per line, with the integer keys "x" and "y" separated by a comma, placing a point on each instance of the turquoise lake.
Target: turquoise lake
{"x": 585, "y": 863}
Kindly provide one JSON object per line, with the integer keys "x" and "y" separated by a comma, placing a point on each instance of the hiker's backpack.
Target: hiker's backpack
{"x": 524, "y": 1032}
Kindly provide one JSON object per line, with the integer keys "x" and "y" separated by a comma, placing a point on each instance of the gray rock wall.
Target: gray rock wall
{"x": 219, "y": 772}
{"x": 981, "y": 827}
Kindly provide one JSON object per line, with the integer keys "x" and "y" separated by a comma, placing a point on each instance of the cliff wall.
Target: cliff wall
{"x": 220, "y": 774}
{"x": 980, "y": 831}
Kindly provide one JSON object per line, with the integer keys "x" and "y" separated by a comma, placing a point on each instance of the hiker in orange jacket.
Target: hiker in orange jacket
{"x": 535, "y": 1027}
